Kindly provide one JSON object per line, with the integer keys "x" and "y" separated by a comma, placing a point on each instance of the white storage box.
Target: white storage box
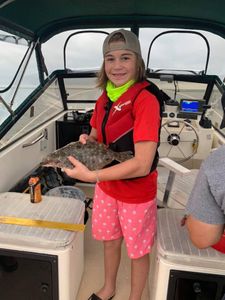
{"x": 180, "y": 271}
{"x": 45, "y": 263}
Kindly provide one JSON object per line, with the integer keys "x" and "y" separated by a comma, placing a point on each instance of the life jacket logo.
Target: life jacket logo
{"x": 119, "y": 106}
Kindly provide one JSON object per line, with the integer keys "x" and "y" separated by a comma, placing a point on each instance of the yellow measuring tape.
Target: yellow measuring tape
{"x": 41, "y": 223}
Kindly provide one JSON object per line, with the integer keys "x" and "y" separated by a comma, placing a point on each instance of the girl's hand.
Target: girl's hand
{"x": 80, "y": 171}
{"x": 83, "y": 138}
{"x": 91, "y": 137}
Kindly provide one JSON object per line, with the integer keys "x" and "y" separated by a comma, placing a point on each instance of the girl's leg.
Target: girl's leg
{"x": 139, "y": 275}
{"x": 106, "y": 227}
{"x": 138, "y": 223}
{"x": 112, "y": 255}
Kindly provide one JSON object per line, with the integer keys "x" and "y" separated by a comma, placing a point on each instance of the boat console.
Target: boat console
{"x": 182, "y": 137}
{"x": 186, "y": 109}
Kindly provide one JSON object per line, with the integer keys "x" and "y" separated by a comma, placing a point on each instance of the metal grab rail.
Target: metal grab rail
{"x": 42, "y": 135}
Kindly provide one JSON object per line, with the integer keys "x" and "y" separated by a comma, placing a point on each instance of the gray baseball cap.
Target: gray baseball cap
{"x": 131, "y": 42}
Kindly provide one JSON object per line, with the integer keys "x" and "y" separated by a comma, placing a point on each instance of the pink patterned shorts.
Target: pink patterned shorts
{"x": 136, "y": 223}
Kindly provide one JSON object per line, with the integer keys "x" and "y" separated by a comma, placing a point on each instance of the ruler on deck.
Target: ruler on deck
{"x": 41, "y": 223}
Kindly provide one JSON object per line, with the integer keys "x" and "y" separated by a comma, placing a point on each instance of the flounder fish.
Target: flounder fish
{"x": 93, "y": 155}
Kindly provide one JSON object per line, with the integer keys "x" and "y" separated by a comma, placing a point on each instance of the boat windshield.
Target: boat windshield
{"x": 17, "y": 78}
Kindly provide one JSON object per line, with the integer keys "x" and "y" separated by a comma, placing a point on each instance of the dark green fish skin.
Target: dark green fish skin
{"x": 93, "y": 155}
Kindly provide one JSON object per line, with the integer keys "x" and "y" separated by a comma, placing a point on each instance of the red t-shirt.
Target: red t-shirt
{"x": 146, "y": 122}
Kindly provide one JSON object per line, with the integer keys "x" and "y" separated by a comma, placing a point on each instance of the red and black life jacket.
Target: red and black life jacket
{"x": 121, "y": 138}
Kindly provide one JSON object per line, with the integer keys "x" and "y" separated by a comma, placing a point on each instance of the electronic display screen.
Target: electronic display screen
{"x": 190, "y": 106}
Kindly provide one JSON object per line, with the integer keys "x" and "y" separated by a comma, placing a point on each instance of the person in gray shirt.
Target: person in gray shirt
{"x": 206, "y": 205}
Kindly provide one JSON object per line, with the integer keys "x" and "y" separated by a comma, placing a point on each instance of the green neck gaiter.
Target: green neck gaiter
{"x": 115, "y": 92}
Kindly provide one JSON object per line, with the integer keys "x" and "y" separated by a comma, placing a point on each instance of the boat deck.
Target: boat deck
{"x": 93, "y": 276}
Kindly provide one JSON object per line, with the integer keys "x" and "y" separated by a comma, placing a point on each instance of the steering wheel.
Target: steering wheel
{"x": 179, "y": 140}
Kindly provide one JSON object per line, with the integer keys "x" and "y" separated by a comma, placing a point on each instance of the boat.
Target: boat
{"x": 50, "y": 55}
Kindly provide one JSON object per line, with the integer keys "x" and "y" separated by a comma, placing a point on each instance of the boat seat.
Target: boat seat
{"x": 57, "y": 209}
{"x": 49, "y": 258}
{"x": 176, "y": 264}
{"x": 173, "y": 241}
{"x": 175, "y": 261}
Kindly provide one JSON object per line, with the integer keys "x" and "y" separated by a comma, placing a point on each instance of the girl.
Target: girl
{"x": 126, "y": 117}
